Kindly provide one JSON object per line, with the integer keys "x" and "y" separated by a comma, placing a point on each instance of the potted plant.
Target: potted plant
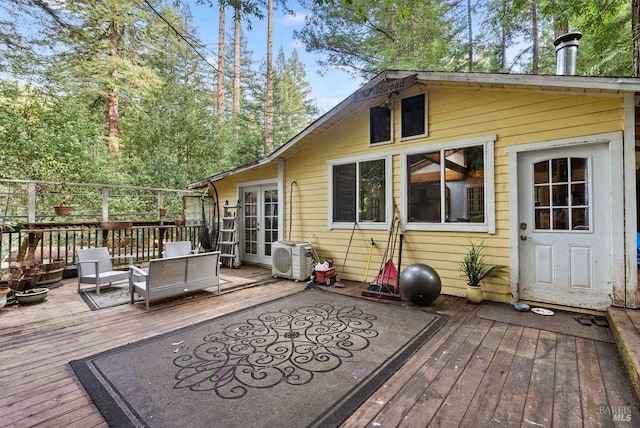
{"x": 63, "y": 209}
{"x": 475, "y": 269}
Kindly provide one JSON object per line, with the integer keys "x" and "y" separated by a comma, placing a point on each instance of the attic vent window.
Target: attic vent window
{"x": 380, "y": 124}
{"x": 414, "y": 116}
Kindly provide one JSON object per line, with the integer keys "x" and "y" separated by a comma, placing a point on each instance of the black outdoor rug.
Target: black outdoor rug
{"x": 560, "y": 322}
{"x": 309, "y": 359}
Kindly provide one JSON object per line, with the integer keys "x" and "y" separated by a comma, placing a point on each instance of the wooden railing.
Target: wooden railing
{"x": 60, "y": 241}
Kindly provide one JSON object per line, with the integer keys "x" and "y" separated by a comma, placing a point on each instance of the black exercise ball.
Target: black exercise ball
{"x": 420, "y": 283}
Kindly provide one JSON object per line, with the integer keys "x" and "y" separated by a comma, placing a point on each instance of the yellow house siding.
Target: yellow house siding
{"x": 454, "y": 114}
{"x": 516, "y": 117}
{"x": 228, "y": 188}
{"x": 521, "y": 115}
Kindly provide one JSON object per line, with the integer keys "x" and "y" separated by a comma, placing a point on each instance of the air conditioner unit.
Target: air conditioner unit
{"x": 292, "y": 260}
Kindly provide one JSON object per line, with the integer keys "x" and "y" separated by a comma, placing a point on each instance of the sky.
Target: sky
{"x": 328, "y": 89}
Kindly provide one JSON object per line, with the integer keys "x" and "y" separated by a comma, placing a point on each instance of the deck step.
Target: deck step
{"x": 625, "y": 324}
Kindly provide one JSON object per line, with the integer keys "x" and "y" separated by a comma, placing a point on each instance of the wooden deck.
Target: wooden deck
{"x": 472, "y": 373}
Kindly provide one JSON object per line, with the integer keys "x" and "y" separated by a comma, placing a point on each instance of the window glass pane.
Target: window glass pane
{"x": 559, "y": 170}
{"x": 464, "y": 169}
{"x": 475, "y": 200}
{"x": 560, "y": 219}
{"x": 560, "y": 194}
{"x": 579, "y": 194}
{"x": 344, "y": 192}
{"x": 580, "y": 219}
{"x": 372, "y": 191}
{"x": 541, "y": 172}
{"x": 424, "y": 187}
{"x": 413, "y": 116}
{"x": 250, "y": 199}
{"x": 270, "y": 219}
{"x": 579, "y": 169}
{"x": 542, "y": 196}
{"x": 542, "y": 218}
{"x": 379, "y": 124}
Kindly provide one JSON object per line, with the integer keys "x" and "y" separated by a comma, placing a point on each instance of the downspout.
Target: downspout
{"x": 291, "y": 207}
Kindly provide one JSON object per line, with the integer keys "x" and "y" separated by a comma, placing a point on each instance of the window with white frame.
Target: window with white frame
{"x": 361, "y": 191}
{"x": 447, "y": 187}
{"x": 414, "y": 116}
{"x": 475, "y": 200}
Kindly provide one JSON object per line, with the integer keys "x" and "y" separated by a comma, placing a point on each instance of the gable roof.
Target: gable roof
{"x": 537, "y": 83}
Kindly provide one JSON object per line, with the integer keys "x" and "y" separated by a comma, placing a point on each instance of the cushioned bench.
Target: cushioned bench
{"x": 172, "y": 276}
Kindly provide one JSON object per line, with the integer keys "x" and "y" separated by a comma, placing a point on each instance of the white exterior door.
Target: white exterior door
{"x": 259, "y": 222}
{"x": 564, "y": 201}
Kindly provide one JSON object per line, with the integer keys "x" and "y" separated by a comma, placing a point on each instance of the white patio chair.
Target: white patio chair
{"x": 95, "y": 267}
{"x": 177, "y": 249}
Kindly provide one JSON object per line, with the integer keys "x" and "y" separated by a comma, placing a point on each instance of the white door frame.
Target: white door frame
{"x": 278, "y": 182}
{"x": 614, "y": 141}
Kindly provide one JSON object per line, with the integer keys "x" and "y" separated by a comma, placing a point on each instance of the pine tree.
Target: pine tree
{"x": 294, "y": 109}
{"x": 107, "y": 41}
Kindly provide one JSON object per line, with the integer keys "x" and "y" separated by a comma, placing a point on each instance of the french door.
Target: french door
{"x": 259, "y": 222}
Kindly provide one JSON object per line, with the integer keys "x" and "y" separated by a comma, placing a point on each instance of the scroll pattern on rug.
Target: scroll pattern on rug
{"x": 289, "y": 345}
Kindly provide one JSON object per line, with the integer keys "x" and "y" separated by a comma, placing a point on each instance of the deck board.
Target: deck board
{"x": 566, "y": 391}
{"x": 538, "y": 409}
{"x": 592, "y": 389}
{"x": 485, "y": 399}
{"x": 442, "y": 380}
{"x": 510, "y": 407}
{"x": 473, "y": 371}
{"x": 469, "y": 381}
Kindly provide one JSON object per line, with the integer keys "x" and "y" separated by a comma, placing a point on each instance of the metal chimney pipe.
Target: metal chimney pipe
{"x": 567, "y": 53}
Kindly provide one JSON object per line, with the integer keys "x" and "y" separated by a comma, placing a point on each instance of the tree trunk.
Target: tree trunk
{"x": 268, "y": 117}
{"x": 113, "y": 133}
{"x": 560, "y": 28}
{"x": 469, "y": 22}
{"x": 503, "y": 40}
{"x": 635, "y": 34}
{"x": 236, "y": 63}
{"x": 534, "y": 37}
{"x": 394, "y": 34}
{"x": 220, "y": 73}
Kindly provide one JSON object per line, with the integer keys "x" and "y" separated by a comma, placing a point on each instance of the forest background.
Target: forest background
{"x": 124, "y": 92}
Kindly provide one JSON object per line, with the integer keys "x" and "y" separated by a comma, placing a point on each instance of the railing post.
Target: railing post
{"x": 160, "y": 204}
{"x": 105, "y": 204}
{"x": 31, "y": 192}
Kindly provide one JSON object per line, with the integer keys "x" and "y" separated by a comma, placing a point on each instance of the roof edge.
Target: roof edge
{"x": 615, "y": 84}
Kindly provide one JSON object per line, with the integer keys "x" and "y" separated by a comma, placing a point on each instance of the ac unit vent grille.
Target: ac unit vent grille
{"x": 282, "y": 260}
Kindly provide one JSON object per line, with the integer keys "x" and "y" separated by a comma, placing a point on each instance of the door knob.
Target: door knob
{"x": 523, "y": 238}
